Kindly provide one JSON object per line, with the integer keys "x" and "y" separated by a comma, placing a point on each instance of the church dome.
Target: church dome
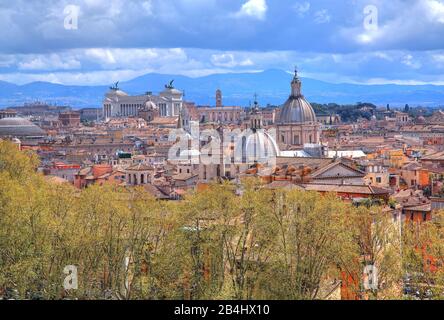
{"x": 149, "y": 105}
{"x": 296, "y": 109}
{"x": 19, "y": 127}
{"x": 256, "y": 146}
{"x": 421, "y": 120}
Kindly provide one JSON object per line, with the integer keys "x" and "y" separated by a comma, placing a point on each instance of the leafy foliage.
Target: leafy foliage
{"x": 215, "y": 244}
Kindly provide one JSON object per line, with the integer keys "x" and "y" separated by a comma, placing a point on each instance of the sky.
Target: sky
{"x": 90, "y": 42}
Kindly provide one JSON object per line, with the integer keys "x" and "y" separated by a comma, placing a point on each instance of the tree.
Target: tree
{"x": 316, "y": 244}
{"x": 423, "y": 258}
{"x": 380, "y": 245}
{"x": 216, "y": 243}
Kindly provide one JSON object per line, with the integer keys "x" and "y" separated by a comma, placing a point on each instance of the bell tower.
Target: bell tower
{"x": 218, "y": 98}
{"x": 256, "y": 121}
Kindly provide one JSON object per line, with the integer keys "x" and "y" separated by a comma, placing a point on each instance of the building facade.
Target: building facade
{"x": 69, "y": 119}
{"x": 220, "y": 114}
{"x": 7, "y": 114}
{"x": 118, "y": 104}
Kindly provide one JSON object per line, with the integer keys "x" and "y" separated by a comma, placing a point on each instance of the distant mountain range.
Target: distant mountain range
{"x": 272, "y": 86}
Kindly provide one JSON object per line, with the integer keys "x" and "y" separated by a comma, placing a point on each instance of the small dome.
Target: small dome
{"x": 421, "y": 119}
{"x": 149, "y": 105}
{"x": 256, "y": 146}
{"x": 19, "y": 127}
{"x": 296, "y": 109}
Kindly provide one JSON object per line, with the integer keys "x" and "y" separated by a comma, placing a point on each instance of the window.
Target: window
{"x": 244, "y": 149}
{"x": 378, "y": 179}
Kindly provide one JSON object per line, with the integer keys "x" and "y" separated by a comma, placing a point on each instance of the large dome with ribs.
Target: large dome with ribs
{"x": 296, "y": 109}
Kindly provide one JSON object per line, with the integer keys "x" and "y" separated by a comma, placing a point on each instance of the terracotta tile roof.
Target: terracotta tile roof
{"x": 360, "y": 189}
{"x": 314, "y": 163}
{"x": 435, "y": 156}
{"x": 85, "y": 171}
{"x": 184, "y": 176}
{"x": 164, "y": 121}
{"x": 412, "y": 166}
{"x": 283, "y": 184}
{"x": 316, "y": 174}
{"x": 155, "y": 191}
{"x": 139, "y": 167}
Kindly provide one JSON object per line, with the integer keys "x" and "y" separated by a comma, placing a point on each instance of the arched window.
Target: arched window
{"x": 244, "y": 149}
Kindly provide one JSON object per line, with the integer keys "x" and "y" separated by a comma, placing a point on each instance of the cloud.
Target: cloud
{"x": 410, "y": 62}
{"x": 322, "y": 16}
{"x": 125, "y": 37}
{"x": 409, "y": 25}
{"x": 148, "y": 7}
{"x": 37, "y": 26}
{"x": 102, "y": 55}
{"x": 302, "y": 8}
{"x": 228, "y": 60}
{"x": 253, "y": 8}
{"x": 435, "y": 10}
{"x": 49, "y": 62}
{"x": 438, "y": 58}
{"x": 95, "y": 66}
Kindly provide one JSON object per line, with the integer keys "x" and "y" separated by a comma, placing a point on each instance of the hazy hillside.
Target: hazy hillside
{"x": 272, "y": 86}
